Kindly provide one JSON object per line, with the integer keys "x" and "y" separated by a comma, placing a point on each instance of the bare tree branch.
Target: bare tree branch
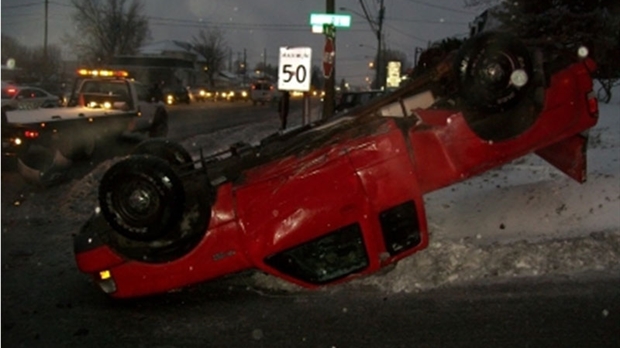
{"x": 106, "y": 28}
{"x": 211, "y": 44}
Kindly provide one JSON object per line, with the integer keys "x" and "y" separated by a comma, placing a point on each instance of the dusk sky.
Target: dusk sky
{"x": 259, "y": 25}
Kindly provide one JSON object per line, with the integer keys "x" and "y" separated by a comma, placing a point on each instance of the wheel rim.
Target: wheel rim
{"x": 138, "y": 202}
{"x": 495, "y": 71}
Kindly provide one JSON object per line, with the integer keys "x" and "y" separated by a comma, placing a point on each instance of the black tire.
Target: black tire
{"x": 484, "y": 66}
{"x": 173, "y": 153}
{"x": 142, "y": 198}
{"x": 159, "y": 128}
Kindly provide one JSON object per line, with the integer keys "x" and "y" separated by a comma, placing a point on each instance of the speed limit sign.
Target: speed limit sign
{"x": 294, "y": 72}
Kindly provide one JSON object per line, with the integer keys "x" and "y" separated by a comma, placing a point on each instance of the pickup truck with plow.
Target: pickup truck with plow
{"x": 103, "y": 104}
{"x": 341, "y": 198}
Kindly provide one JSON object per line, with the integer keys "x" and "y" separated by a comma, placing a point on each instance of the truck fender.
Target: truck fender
{"x": 44, "y": 172}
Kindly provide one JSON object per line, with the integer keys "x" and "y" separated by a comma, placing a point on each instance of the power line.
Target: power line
{"x": 425, "y": 21}
{"x": 9, "y": 7}
{"x": 61, "y": 4}
{"x": 18, "y": 15}
{"x": 407, "y": 34}
{"x": 441, "y": 7}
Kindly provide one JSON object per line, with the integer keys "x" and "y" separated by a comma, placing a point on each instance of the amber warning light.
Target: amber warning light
{"x": 103, "y": 73}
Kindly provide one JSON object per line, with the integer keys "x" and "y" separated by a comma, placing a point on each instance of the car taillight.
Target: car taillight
{"x": 592, "y": 104}
{"x": 31, "y": 134}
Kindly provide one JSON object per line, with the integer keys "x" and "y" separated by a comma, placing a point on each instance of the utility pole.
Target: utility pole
{"x": 330, "y": 93}
{"x": 45, "y": 32}
{"x": 245, "y": 66}
{"x": 377, "y": 28}
{"x": 380, "y": 64}
{"x": 264, "y": 62}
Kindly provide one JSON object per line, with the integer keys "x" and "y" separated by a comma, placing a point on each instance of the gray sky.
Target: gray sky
{"x": 258, "y": 25}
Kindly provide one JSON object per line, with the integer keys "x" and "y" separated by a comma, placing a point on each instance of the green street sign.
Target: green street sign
{"x": 337, "y": 20}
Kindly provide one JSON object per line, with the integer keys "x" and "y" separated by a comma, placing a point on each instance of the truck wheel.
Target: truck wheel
{"x": 494, "y": 72}
{"x": 159, "y": 129}
{"x": 142, "y": 198}
{"x": 171, "y": 152}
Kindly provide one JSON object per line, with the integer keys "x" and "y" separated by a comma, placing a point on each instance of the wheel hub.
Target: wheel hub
{"x": 139, "y": 200}
{"x": 494, "y": 72}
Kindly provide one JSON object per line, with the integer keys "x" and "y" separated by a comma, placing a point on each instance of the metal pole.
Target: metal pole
{"x": 264, "y": 62}
{"x": 306, "y": 110}
{"x": 45, "y": 32}
{"x": 245, "y": 67}
{"x": 330, "y": 82}
{"x": 380, "y": 64}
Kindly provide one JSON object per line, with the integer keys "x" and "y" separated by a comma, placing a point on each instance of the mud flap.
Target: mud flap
{"x": 44, "y": 176}
{"x": 569, "y": 156}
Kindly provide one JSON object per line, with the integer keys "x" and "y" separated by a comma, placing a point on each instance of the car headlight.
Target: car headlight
{"x": 244, "y": 94}
{"x": 202, "y": 93}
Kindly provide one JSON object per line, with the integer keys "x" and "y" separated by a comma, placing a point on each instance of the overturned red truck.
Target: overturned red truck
{"x": 338, "y": 199}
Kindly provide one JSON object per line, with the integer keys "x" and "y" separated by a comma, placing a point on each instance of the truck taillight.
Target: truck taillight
{"x": 31, "y": 134}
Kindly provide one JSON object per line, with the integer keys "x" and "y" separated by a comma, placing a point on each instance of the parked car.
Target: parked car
{"x": 340, "y": 198}
{"x": 351, "y": 99}
{"x": 176, "y": 95}
{"x": 25, "y": 97}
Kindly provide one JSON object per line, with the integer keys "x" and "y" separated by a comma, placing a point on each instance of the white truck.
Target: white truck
{"x": 103, "y": 104}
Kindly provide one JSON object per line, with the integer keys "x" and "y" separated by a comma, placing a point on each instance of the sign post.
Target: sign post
{"x": 328, "y": 57}
{"x": 294, "y": 74}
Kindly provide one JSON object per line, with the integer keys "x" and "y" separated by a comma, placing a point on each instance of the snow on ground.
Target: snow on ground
{"x": 523, "y": 219}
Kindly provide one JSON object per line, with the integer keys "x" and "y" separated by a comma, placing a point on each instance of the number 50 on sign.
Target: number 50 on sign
{"x": 294, "y": 72}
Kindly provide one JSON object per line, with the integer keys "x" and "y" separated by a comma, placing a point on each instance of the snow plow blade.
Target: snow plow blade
{"x": 569, "y": 156}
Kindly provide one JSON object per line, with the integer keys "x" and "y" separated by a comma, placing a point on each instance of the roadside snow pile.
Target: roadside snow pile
{"x": 449, "y": 262}
{"x": 80, "y": 200}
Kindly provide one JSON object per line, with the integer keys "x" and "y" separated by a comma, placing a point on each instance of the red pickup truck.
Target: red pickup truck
{"x": 338, "y": 199}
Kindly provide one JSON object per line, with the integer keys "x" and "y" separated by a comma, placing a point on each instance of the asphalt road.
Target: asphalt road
{"x": 46, "y": 302}
{"x": 197, "y": 118}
